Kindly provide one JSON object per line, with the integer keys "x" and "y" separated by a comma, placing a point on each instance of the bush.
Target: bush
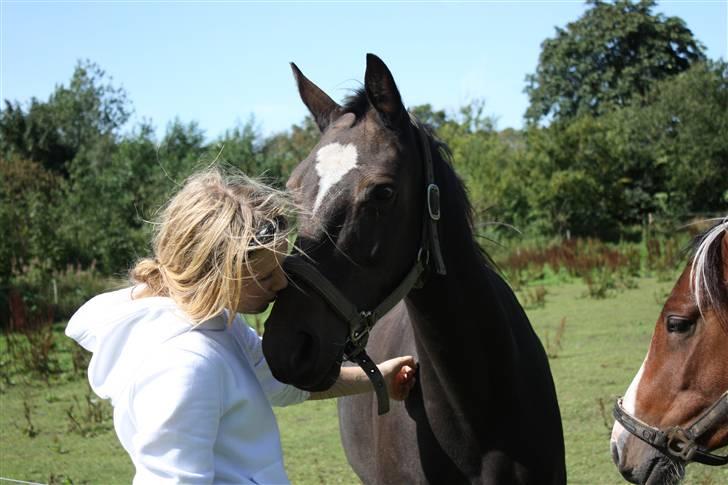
{"x": 76, "y": 286}
{"x": 39, "y": 296}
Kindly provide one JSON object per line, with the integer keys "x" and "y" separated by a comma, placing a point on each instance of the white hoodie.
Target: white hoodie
{"x": 190, "y": 405}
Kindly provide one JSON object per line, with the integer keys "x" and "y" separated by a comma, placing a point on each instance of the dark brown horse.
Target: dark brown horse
{"x": 484, "y": 409}
{"x": 676, "y": 409}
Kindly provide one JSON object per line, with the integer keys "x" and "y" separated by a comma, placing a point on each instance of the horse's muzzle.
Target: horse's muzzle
{"x": 299, "y": 347}
{"x": 639, "y": 463}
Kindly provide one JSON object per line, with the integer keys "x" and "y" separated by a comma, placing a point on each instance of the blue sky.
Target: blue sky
{"x": 219, "y": 62}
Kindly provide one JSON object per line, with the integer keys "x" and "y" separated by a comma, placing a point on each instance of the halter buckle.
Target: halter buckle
{"x": 433, "y": 201}
{"x": 679, "y": 444}
{"x": 362, "y": 331}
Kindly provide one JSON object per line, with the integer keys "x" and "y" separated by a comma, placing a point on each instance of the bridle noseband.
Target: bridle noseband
{"x": 678, "y": 442}
{"x": 361, "y": 322}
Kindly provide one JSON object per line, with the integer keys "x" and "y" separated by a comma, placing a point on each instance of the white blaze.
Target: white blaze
{"x": 333, "y": 161}
{"x": 628, "y": 403}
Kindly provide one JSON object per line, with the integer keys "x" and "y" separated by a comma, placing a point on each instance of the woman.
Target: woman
{"x": 186, "y": 375}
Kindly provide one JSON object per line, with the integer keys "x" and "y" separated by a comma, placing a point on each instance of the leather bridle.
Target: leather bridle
{"x": 361, "y": 322}
{"x": 678, "y": 442}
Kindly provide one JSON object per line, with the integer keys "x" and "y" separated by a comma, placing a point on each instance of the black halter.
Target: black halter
{"x": 361, "y": 322}
{"x": 677, "y": 442}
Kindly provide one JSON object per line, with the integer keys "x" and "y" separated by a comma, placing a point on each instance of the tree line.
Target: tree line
{"x": 627, "y": 124}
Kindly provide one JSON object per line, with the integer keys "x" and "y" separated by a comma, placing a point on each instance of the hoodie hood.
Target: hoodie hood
{"x": 122, "y": 332}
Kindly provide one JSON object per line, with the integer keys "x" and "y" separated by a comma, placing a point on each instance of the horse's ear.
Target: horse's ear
{"x": 322, "y": 107}
{"x": 382, "y": 92}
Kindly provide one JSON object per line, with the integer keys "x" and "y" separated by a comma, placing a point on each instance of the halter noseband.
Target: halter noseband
{"x": 678, "y": 442}
{"x": 361, "y": 322}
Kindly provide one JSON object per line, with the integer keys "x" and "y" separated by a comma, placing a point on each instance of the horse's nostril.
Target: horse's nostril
{"x": 615, "y": 453}
{"x": 302, "y": 354}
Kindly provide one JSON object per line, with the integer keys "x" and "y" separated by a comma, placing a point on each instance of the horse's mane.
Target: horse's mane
{"x": 706, "y": 272}
{"x": 458, "y": 211}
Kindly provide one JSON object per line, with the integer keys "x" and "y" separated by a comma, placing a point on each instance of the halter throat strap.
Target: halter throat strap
{"x": 678, "y": 442}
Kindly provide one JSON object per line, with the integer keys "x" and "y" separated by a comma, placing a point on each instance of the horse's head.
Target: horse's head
{"x": 362, "y": 190}
{"x": 685, "y": 371}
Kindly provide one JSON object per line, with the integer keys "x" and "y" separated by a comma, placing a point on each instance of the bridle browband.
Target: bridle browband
{"x": 678, "y": 442}
{"x": 361, "y": 322}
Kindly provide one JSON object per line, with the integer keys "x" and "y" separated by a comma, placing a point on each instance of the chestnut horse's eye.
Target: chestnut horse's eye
{"x": 679, "y": 324}
{"x": 382, "y": 193}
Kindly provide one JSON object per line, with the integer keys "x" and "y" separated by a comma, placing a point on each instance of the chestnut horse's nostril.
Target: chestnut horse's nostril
{"x": 615, "y": 453}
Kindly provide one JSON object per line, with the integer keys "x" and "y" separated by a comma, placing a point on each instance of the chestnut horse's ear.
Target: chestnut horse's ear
{"x": 322, "y": 107}
{"x": 382, "y": 92}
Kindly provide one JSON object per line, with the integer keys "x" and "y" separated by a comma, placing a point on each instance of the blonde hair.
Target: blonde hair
{"x": 205, "y": 239}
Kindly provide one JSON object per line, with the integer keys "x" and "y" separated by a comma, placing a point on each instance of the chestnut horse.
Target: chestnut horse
{"x": 676, "y": 409}
{"x": 484, "y": 409}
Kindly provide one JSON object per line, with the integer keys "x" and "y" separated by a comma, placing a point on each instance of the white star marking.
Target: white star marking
{"x": 333, "y": 161}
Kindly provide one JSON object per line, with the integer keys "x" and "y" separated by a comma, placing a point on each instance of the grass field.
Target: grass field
{"x": 50, "y": 433}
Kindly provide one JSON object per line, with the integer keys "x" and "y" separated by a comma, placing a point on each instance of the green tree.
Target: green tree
{"x": 281, "y": 152}
{"x": 606, "y": 59}
{"x": 182, "y": 149}
{"x": 490, "y": 164}
{"x": 666, "y": 156}
{"x": 575, "y": 180}
{"x": 28, "y": 214}
{"x": 111, "y": 186}
{"x": 53, "y": 132}
{"x": 433, "y": 118}
{"x": 240, "y": 147}
{"x": 678, "y": 142}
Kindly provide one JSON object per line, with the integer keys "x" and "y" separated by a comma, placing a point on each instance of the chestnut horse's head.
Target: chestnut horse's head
{"x": 685, "y": 371}
{"x": 362, "y": 191}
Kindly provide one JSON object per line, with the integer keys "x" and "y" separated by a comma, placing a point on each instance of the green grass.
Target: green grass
{"x": 602, "y": 345}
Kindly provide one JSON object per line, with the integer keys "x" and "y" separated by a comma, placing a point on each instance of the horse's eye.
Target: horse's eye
{"x": 382, "y": 193}
{"x": 679, "y": 324}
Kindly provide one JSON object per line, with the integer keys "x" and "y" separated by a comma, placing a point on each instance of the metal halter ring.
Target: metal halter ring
{"x": 679, "y": 444}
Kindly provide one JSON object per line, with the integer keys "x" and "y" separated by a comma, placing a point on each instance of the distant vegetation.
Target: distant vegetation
{"x": 626, "y": 140}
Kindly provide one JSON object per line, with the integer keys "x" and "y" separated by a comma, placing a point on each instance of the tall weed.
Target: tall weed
{"x": 91, "y": 417}
{"x": 602, "y": 266}
{"x": 663, "y": 257}
{"x": 31, "y": 350}
{"x": 553, "y": 345}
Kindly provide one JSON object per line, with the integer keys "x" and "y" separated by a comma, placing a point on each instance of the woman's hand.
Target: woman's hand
{"x": 399, "y": 374}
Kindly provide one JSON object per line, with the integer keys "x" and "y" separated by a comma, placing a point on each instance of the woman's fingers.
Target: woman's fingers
{"x": 399, "y": 373}
{"x": 403, "y": 382}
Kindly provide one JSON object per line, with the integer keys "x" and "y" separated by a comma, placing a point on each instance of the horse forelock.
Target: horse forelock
{"x": 707, "y": 278}
{"x": 357, "y": 103}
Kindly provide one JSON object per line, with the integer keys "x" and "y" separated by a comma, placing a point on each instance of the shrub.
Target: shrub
{"x": 75, "y": 286}
{"x": 40, "y": 295}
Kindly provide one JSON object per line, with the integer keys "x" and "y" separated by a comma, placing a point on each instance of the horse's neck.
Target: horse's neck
{"x": 467, "y": 321}
{"x": 467, "y": 354}
{"x": 463, "y": 321}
